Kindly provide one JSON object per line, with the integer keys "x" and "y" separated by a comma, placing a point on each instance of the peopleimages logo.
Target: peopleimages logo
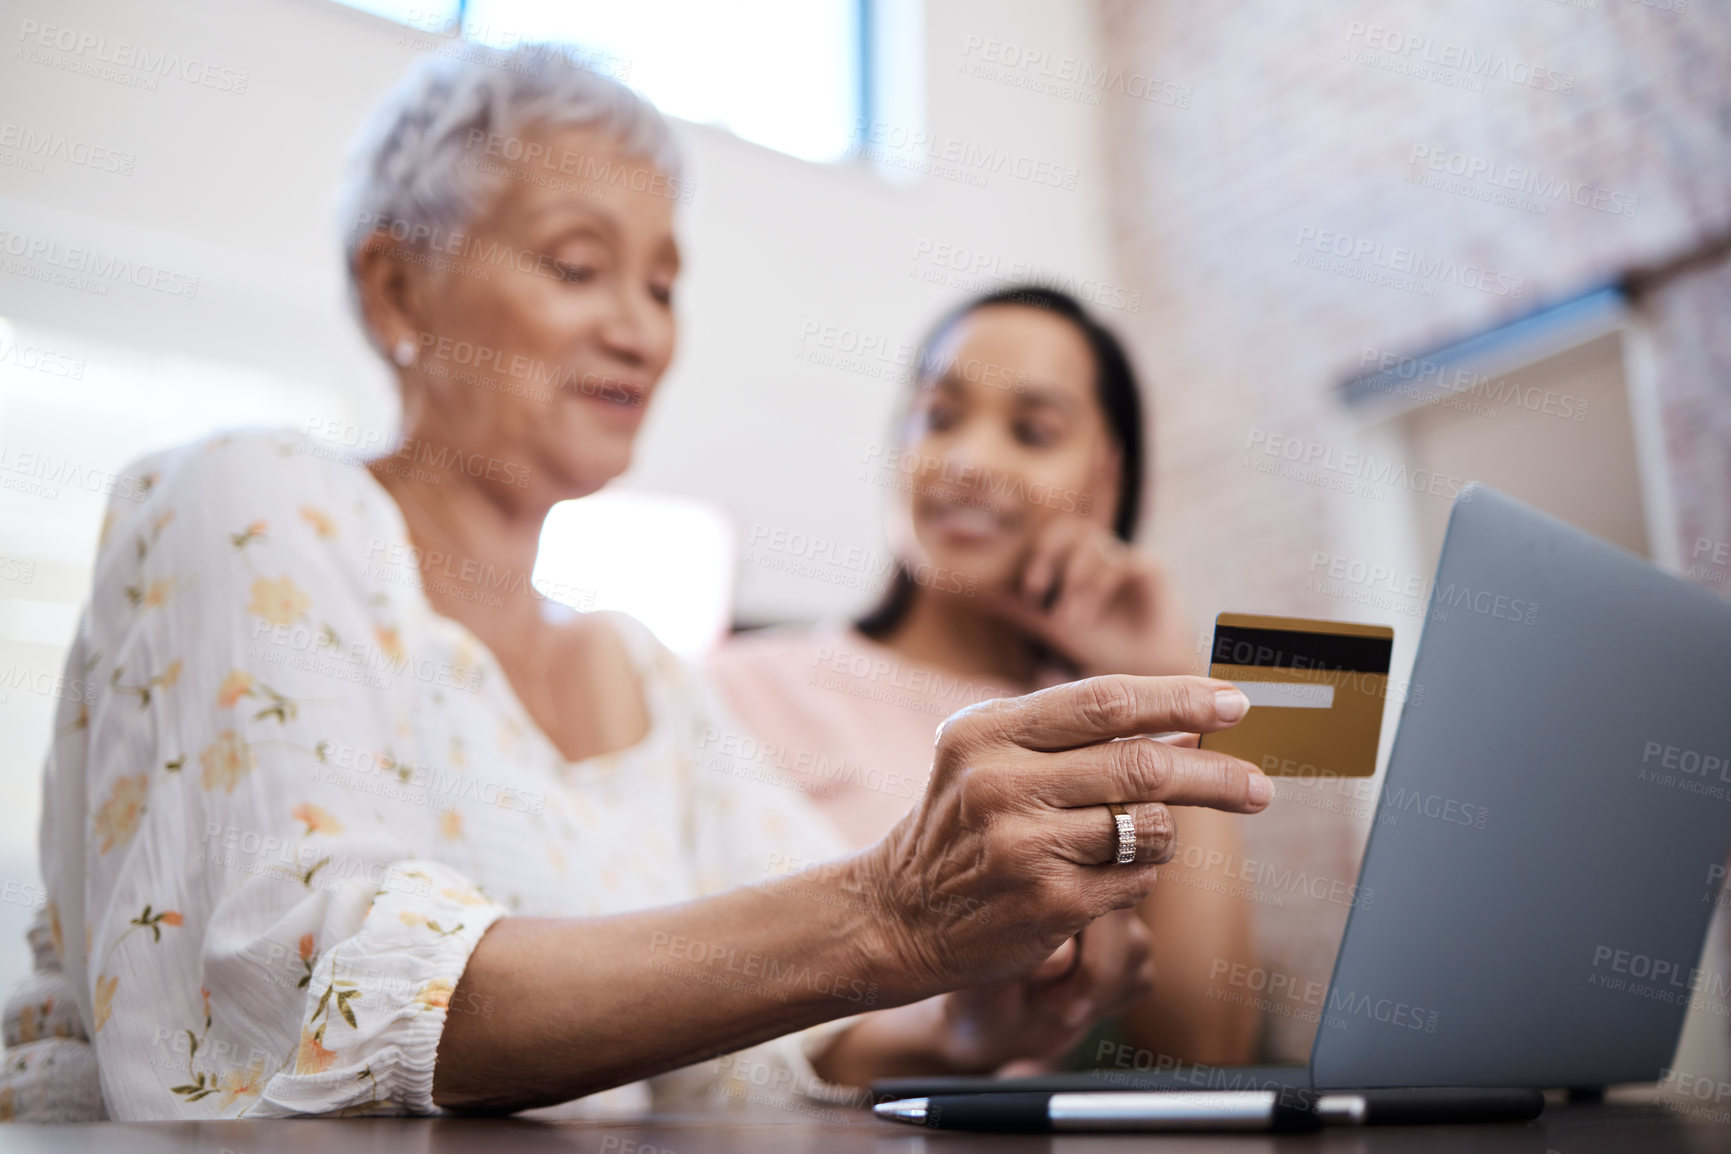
{"x": 1067, "y": 76}
{"x": 1691, "y": 770}
{"x": 979, "y": 486}
{"x": 1444, "y": 809}
{"x": 1415, "y": 52}
{"x": 1655, "y": 978}
{"x": 1363, "y": 467}
{"x": 954, "y": 158}
{"x": 777, "y": 977}
{"x": 1431, "y": 376}
{"x": 41, "y": 475}
{"x": 1398, "y": 259}
{"x": 41, "y": 360}
{"x": 36, "y": 147}
{"x": 1343, "y": 1005}
{"x": 837, "y": 563}
{"x": 89, "y": 269}
{"x": 1540, "y": 186}
{"x": 956, "y": 266}
{"x": 91, "y": 50}
{"x": 585, "y": 167}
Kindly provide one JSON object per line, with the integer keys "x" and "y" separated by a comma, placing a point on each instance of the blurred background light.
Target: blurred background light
{"x": 667, "y": 561}
{"x": 785, "y": 74}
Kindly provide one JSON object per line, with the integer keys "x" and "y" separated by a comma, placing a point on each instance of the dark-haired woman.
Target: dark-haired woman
{"x": 1017, "y": 481}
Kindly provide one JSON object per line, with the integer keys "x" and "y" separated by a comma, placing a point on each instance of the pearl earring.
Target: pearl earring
{"x": 404, "y": 353}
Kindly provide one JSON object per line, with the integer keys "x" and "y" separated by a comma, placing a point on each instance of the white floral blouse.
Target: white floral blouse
{"x": 285, "y": 799}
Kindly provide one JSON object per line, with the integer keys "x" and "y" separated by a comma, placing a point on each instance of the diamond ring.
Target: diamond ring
{"x": 1126, "y": 826}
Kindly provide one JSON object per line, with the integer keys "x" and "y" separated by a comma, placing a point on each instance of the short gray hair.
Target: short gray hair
{"x": 407, "y": 165}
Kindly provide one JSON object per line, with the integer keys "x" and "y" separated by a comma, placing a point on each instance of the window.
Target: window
{"x": 421, "y": 13}
{"x": 786, "y": 74}
{"x": 1540, "y": 408}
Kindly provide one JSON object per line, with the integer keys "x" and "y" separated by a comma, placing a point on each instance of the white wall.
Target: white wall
{"x": 778, "y": 247}
{"x": 236, "y": 189}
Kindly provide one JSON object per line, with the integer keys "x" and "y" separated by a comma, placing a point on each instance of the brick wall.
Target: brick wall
{"x": 1322, "y": 118}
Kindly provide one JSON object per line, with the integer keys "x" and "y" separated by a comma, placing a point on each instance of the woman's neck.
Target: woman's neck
{"x": 469, "y": 544}
{"x": 952, "y": 633}
{"x": 476, "y": 552}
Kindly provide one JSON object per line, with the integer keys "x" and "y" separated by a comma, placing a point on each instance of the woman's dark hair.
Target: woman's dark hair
{"x": 1114, "y": 387}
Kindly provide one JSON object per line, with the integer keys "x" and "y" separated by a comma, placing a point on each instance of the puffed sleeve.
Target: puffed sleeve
{"x": 251, "y": 932}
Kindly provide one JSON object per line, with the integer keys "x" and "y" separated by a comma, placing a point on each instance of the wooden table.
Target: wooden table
{"x": 1643, "y": 1128}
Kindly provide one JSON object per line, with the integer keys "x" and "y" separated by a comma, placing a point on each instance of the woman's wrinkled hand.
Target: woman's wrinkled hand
{"x": 1012, "y": 850}
{"x": 1035, "y": 1020}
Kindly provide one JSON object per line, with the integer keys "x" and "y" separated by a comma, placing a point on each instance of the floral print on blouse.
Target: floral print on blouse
{"x": 289, "y": 798}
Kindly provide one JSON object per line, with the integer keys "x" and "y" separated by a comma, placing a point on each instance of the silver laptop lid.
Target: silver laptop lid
{"x": 1552, "y": 826}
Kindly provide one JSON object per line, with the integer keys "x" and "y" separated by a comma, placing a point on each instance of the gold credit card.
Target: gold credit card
{"x": 1316, "y": 690}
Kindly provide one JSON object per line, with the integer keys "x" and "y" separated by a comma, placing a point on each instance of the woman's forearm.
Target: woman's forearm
{"x": 997, "y": 866}
{"x": 555, "y": 1008}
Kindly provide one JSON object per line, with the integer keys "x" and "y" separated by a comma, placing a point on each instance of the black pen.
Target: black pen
{"x": 1119, "y": 1110}
{"x": 1288, "y": 1109}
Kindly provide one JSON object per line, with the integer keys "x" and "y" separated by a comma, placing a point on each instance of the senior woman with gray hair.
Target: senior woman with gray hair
{"x": 338, "y": 836}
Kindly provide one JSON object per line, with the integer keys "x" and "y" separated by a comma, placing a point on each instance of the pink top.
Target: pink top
{"x": 849, "y": 722}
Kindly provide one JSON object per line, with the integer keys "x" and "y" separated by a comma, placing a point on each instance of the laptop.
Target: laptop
{"x": 1579, "y": 701}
